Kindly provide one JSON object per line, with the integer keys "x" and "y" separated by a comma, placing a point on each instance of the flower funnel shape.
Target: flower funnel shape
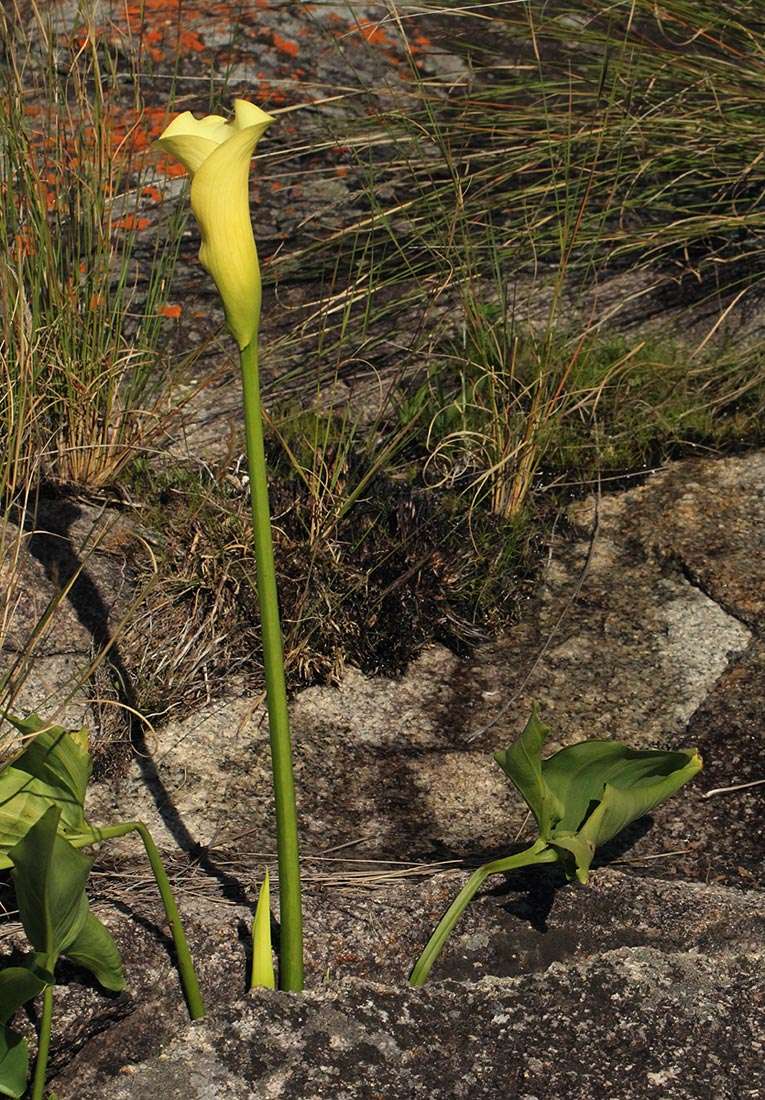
{"x": 217, "y": 155}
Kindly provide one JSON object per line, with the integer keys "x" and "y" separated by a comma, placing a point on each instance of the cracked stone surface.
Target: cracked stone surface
{"x": 633, "y": 987}
{"x": 38, "y": 567}
{"x": 635, "y": 652}
{"x": 577, "y": 1031}
{"x": 653, "y": 960}
{"x": 649, "y": 982}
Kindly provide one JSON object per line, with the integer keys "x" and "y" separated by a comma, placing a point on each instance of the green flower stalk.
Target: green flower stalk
{"x": 217, "y": 155}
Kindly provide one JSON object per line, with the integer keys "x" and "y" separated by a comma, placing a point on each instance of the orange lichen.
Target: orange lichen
{"x": 172, "y": 311}
{"x": 151, "y": 43}
{"x": 131, "y": 221}
{"x": 24, "y": 243}
{"x": 190, "y": 40}
{"x": 285, "y": 45}
{"x": 267, "y": 95}
{"x": 152, "y": 193}
{"x": 136, "y": 131}
{"x": 374, "y": 34}
{"x": 48, "y": 197}
{"x": 170, "y": 167}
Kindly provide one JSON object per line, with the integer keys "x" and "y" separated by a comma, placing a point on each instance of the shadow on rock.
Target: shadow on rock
{"x": 52, "y": 544}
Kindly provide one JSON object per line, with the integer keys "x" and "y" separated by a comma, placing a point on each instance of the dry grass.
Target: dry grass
{"x": 84, "y": 303}
{"x": 579, "y": 142}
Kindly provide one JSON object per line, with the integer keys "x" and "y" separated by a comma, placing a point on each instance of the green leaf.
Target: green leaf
{"x": 578, "y": 776}
{"x": 605, "y": 786}
{"x": 14, "y": 1063}
{"x": 522, "y": 763}
{"x": 581, "y": 797}
{"x": 584, "y": 795}
{"x": 263, "y": 976}
{"x": 94, "y": 948}
{"x": 49, "y": 876}
{"x": 23, "y": 801}
{"x": 576, "y": 854}
{"x": 18, "y": 985}
{"x": 58, "y": 757}
{"x": 635, "y": 792}
{"x": 38, "y": 964}
{"x": 53, "y": 770}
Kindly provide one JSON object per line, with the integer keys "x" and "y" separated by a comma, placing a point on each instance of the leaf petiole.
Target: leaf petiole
{"x": 189, "y": 980}
{"x": 41, "y": 1064}
{"x": 539, "y": 852}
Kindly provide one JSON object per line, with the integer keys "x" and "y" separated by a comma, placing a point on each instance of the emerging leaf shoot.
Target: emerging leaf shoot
{"x": 263, "y": 976}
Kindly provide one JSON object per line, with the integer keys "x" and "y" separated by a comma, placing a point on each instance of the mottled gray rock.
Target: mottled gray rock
{"x": 709, "y": 518}
{"x": 721, "y": 838}
{"x": 632, "y": 1023}
{"x": 523, "y": 925}
{"x": 67, "y": 545}
{"x": 633, "y": 653}
{"x": 66, "y": 585}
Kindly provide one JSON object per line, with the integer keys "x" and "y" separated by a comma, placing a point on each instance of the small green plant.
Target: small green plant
{"x": 42, "y": 826}
{"x": 581, "y": 797}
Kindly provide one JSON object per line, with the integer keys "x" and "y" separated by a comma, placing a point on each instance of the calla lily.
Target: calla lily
{"x": 217, "y": 155}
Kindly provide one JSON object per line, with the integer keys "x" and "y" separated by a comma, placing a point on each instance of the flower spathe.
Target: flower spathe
{"x": 217, "y": 155}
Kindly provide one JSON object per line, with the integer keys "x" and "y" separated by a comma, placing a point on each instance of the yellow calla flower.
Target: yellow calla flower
{"x": 217, "y": 154}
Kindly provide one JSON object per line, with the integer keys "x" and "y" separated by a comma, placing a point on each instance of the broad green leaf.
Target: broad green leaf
{"x": 53, "y": 770}
{"x": 49, "y": 876}
{"x": 634, "y": 793}
{"x": 23, "y": 801}
{"x": 263, "y": 976}
{"x": 58, "y": 757}
{"x": 522, "y": 763}
{"x": 581, "y": 797}
{"x": 577, "y": 776}
{"x": 94, "y": 948}
{"x": 14, "y": 1063}
{"x": 18, "y": 985}
{"x": 584, "y": 795}
{"x": 605, "y": 786}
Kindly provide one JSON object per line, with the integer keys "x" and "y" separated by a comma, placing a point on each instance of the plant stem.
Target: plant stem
{"x": 291, "y": 940}
{"x": 185, "y": 965}
{"x": 538, "y": 853}
{"x": 41, "y": 1065}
